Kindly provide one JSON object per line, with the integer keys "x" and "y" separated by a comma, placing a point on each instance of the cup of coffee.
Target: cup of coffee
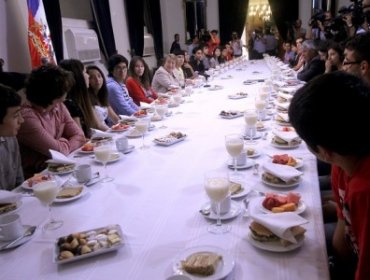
{"x": 225, "y": 205}
{"x": 122, "y": 144}
{"x": 83, "y": 173}
{"x": 10, "y": 227}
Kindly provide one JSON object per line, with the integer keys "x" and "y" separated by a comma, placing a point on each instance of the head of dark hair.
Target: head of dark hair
{"x": 8, "y": 98}
{"x": 338, "y": 49}
{"x": 178, "y": 52}
{"x": 360, "y": 45}
{"x": 214, "y": 31}
{"x": 115, "y": 60}
{"x": 47, "y": 83}
{"x": 145, "y": 78}
{"x": 320, "y": 122}
{"x": 197, "y": 49}
{"x": 102, "y": 97}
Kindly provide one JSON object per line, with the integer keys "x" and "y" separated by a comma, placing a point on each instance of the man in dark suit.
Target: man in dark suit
{"x": 314, "y": 66}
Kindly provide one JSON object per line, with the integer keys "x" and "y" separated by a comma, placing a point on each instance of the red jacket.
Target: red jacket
{"x": 137, "y": 93}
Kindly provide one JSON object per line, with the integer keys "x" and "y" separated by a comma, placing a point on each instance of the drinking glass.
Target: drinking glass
{"x": 103, "y": 151}
{"x": 142, "y": 126}
{"x": 234, "y": 146}
{"x": 260, "y": 107}
{"x": 161, "y": 110}
{"x": 216, "y": 185}
{"x": 46, "y": 192}
{"x": 250, "y": 118}
{"x": 177, "y": 98}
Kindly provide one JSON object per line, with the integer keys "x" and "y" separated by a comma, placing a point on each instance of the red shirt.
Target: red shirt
{"x": 137, "y": 93}
{"x": 353, "y": 199}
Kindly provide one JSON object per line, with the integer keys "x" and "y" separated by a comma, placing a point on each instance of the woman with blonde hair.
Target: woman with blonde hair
{"x": 164, "y": 78}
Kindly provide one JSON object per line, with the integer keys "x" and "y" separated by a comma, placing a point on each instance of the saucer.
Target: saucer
{"x": 247, "y": 165}
{"x": 235, "y": 210}
{"x": 129, "y": 149}
{"x": 19, "y": 242}
{"x": 258, "y": 135}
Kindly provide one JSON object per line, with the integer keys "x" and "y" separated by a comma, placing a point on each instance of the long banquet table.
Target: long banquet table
{"x": 156, "y": 197}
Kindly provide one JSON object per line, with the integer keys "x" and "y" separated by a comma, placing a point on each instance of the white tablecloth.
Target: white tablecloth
{"x": 156, "y": 197}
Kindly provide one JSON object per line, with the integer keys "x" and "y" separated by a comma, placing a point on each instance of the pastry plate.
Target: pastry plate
{"x": 224, "y": 268}
{"x": 63, "y": 200}
{"x": 18, "y": 204}
{"x": 247, "y": 165}
{"x": 240, "y": 194}
{"x": 113, "y": 157}
{"x": 257, "y": 202}
{"x": 258, "y": 135}
{"x": 168, "y": 143}
{"x": 235, "y": 210}
{"x": 98, "y": 251}
{"x": 282, "y": 186}
{"x": 256, "y": 153}
{"x": 63, "y": 171}
{"x": 297, "y": 166}
{"x": 274, "y": 246}
{"x": 20, "y": 241}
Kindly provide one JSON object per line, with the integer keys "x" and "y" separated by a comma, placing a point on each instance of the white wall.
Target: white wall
{"x": 3, "y": 47}
{"x": 305, "y": 8}
{"x": 212, "y": 15}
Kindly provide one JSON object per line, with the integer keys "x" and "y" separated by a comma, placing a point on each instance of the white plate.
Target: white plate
{"x": 258, "y": 203}
{"x": 215, "y": 87}
{"x": 237, "y": 96}
{"x": 240, "y": 194}
{"x": 297, "y": 166}
{"x": 63, "y": 200}
{"x": 226, "y": 77}
{"x": 134, "y": 134}
{"x": 93, "y": 253}
{"x": 62, "y": 172}
{"x": 235, "y": 210}
{"x": 170, "y": 142}
{"x": 118, "y": 130}
{"x": 228, "y": 117}
{"x": 281, "y": 123}
{"x": 85, "y": 152}
{"x": 274, "y": 246}
{"x": 248, "y": 164}
{"x": 285, "y": 146}
{"x": 112, "y": 158}
{"x": 257, "y": 153}
{"x": 129, "y": 149}
{"x": 224, "y": 268}
{"x": 258, "y": 135}
{"x": 19, "y": 205}
{"x": 20, "y": 241}
{"x": 25, "y": 185}
{"x": 282, "y": 186}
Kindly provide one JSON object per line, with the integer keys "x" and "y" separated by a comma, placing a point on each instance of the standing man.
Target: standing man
{"x": 175, "y": 44}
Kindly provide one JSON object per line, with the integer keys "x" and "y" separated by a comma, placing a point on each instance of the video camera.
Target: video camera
{"x": 355, "y": 9}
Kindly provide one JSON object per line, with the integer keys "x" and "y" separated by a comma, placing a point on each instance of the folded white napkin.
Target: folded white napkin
{"x": 99, "y": 133}
{"x": 284, "y": 116}
{"x": 284, "y": 105}
{"x": 286, "y": 96}
{"x": 280, "y": 223}
{"x": 288, "y": 136}
{"x": 284, "y": 172}
{"x": 57, "y": 157}
{"x": 9, "y": 197}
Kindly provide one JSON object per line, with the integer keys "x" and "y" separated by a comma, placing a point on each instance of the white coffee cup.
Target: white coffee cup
{"x": 122, "y": 144}
{"x": 242, "y": 159}
{"x": 224, "y": 206}
{"x": 10, "y": 227}
{"x": 83, "y": 173}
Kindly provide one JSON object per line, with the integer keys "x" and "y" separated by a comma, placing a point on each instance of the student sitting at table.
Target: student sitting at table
{"x": 338, "y": 135}
{"x": 47, "y": 122}
{"x": 138, "y": 82}
{"x": 118, "y": 96}
{"x": 164, "y": 79}
{"x": 11, "y": 174}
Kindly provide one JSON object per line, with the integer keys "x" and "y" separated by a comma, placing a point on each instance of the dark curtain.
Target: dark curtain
{"x": 201, "y": 16}
{"x": 54, "y": 19}
{"x": 135, "y": 21}
{"x": 103, "y": 26}
{"x": 284, "y": 13}
{"x": 190, "y": 19}
{"x": 232, "y": 14}
{"x": 153, "y": 22}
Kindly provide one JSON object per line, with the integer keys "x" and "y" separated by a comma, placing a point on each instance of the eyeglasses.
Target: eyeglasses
{"x": 350, "y": 62}
{"x": 120, "y": 67}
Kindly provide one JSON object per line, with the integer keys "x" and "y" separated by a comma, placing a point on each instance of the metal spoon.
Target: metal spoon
{"x": 28, "y": 232}
{"x": 205, "y": 211}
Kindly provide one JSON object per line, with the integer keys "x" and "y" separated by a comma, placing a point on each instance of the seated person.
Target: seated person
{"x": 138, "y": 82}
{"x": 118, "y": 96}
{"x": 314, "y": 66}
{"x": 196, "y": 61}
{"x": 11, "y": 174}
{"x": 164, "y": 78}
{"x": 320, "y": 125}
{"x": 187, "y": 68}
{"x": 47, "y": 122}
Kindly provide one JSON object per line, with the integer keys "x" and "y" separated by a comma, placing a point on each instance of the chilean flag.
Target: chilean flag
{"x": 39, "y": 41}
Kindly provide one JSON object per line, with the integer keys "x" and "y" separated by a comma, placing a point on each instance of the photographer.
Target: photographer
{"x": 356, "y": 17}
{"x": 317, "y": 26}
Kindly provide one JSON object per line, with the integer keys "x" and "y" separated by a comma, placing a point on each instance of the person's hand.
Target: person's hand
{"x": 320, "y": 25}
{"x": 348, "y": 20}
{"x": 328, "y": 66}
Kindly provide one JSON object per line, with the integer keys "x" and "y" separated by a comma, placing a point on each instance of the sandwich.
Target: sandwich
{"x": 7, "y": 207}
{"x": 279, "y": 141}
{"x": 270, "y": 178}
{"x": 60, "y": 167}
{"x": 263, "y": 234}
{"x": 202, "y": 263}
{"x": 280, "y": 119}
{"x": 69, "y": 192}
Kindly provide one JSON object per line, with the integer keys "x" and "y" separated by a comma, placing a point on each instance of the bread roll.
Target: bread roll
{"x": 203, "y": 263}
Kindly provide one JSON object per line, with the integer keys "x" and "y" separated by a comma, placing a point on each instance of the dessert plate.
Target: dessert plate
{"x": 113, "y": 157}
{"x": 224, "y": 268}
{"x": 257, "y": 202}
{"x": 168, "y": 141}
{"x": 282, "y": 186}
{"x": 240, "y": 194}
{"x": 298, "y": 165}
{"x": 68, "y": 199}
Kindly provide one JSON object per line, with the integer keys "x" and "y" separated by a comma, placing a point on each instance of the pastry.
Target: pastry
{"x": 69, "y": 192}
{"x": 203, "y": 263}
{"x": 235, "y": 188}
{"x": 7, "y": 207}
{"x": 60, "y": 167}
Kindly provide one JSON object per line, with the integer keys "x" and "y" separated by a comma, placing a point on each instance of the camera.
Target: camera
{"x": 318, "y": 16}
{"x": 355, "y": 9}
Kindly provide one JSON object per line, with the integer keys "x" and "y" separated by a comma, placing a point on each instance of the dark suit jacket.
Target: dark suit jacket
{"x": 312, "y": 69}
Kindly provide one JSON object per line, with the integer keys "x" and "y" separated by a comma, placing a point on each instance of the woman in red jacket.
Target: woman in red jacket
{"x": 138, "y": 82}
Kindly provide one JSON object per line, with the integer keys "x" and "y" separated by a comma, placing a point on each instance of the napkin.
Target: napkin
{"x": 288, "y": 136}
{"x": 286, "y": 96}
{"x": 284, "y": 172}
{"x": 280, "y": 223}
{"x": 57, "y": 157}
{"x": 99, "y": 133}
{"x": 144, "y": 105}
{"x": 9, "y": 197}
{"x": 284, "y": 105}
{"x": 284, "y": 116}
